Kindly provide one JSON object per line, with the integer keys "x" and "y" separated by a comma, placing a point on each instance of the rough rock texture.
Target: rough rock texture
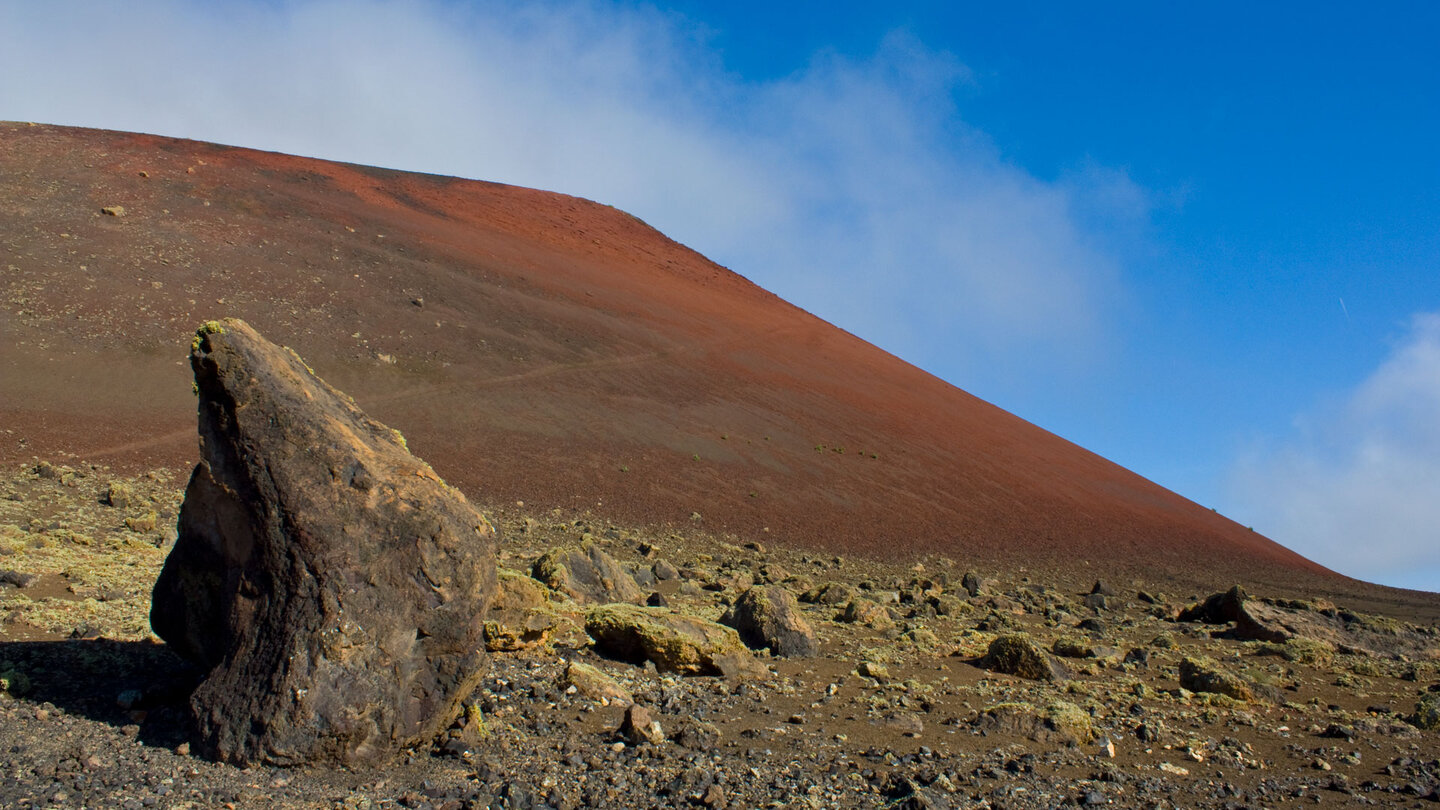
{"x": 335, "y": 586}
{"x": 673, "y": 642}
{"x": 1057, "y": 722}
{"x": 768, "y": 616}
{"x": 1427, "y": 712}
{"x": 1204, "y": 675}
{"x": 829, "y": 593}
{"x": 588, "y": 575}
{"x": 593, "y": 683}
{"x": 1019, "y": 656}
{"x": 867, "y": 612}
{"x": 1223, "y": 608}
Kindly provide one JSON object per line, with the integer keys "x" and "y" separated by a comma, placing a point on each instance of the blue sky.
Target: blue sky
{"x": 1201, "y": 240}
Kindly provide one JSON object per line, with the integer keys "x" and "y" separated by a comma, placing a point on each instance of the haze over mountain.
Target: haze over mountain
{"x": 539, "y": 347}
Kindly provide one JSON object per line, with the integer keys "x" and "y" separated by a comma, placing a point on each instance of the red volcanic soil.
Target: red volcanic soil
{"x": 544, "y": 348}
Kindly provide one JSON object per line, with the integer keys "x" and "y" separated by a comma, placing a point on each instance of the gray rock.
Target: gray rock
{"x": 588, "y": 575}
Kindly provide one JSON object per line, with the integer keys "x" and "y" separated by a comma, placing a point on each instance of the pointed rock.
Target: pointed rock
{"x": 335, "y": 586}
{"x": 1230, "y": 606}
{"x": 768, "y": 616}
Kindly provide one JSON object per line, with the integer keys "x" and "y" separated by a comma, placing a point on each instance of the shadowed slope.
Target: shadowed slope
{"x": 539, "y": 347}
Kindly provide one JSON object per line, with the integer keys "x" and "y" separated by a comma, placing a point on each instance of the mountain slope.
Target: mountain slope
{"x": 543, "y": 348}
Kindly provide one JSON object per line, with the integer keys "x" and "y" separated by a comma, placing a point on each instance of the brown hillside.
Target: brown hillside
{"x": 538, "y": 347}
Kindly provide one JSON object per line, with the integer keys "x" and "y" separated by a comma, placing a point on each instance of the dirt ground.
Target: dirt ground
{"x": 896, "y": 712}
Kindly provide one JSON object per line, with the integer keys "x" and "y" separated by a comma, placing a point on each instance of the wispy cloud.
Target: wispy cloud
{"x": 854, "y": 187}
{"x": 1358, "y": 485}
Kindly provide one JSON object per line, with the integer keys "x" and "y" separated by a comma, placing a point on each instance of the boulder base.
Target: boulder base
{"x": 333, "y": 584}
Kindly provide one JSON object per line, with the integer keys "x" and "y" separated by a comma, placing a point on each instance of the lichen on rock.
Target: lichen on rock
{"x": 334, "y": 586}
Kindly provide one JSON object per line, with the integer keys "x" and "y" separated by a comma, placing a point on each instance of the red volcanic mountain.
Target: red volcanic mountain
{"x": 537, "y": 347}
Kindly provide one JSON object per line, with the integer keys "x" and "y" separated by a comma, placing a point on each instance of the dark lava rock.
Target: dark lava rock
{"x": 1223, "y": 608}
{"x": 335, "y": 586}
{"x": 768, "y": 616}
{"x": 18, "y": 579}
{"x": 1019, "y": 656}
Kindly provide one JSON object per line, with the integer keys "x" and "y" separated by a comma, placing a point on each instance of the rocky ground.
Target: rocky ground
{"x": 1115, "y": 700}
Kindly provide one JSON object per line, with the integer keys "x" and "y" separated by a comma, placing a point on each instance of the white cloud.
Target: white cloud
{"x": 853, "y": 188}
{"x": 1357, "y": 488}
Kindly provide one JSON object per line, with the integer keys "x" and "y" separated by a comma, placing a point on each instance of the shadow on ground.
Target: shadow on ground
{"x": 120, "y": 683}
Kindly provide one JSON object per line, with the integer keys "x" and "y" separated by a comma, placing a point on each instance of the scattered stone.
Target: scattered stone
{"x": 142, "y": 523}
{"x": 829, "y": 593}
{"x": 768, "y": 616}
{"x": 332, "y": 584}
{"x": 1101, "y": 588}
{"x": 18, "y": 579}
{"x": 118, "y": 495}
{"x": 1227, "y": 607}
{"x": 1019, "y": 656}
{"x": 532, "y": 630}
{"x": 906, "y": 723}
{"x": 664, "y": 571}
{"x": 873, "y": 669}
{"x": 869, "y": 613}
{"x": 1427, "y": 712}
{"x": 113, "y": 210}
{"x": 696, "y": 735}
{"x": 674, "y": 643}
{"x": 1057, "y": 722}
{"x": 1199, "y": 674}
{"x": 640, "y": 727}
{"x": 588, "y": 575}
{"x": 594, "y": 684}
{"x": 972, "y": 583}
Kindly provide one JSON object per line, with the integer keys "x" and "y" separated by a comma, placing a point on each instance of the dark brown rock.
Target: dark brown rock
{"x": 1227, "y": 607}
{"x": 335, "y": 586}
{"x": 1019, "y": 656}
{"x": 768, "y": 616}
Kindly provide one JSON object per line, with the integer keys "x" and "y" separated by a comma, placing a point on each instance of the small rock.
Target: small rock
{"x": 113, "y": 210}
{"x": 973, "y": 584}
{"x": 588, "y": 575}
{"x": 828, "y": 593}
{"x": 673, "y": 642}
{"x": 872, "y": 669}
{"x": 638, "y": 726}
{"x": 17, "y": 579}
{"x": 594, "y": 684}
{"x": 1019, "y": 656}
{"x": 1199, "y": 674}
{"x": 867, "y": 612}
{"x": 767, "y": 616}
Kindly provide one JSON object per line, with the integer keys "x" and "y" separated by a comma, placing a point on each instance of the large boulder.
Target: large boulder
{"x": 768, "y": 616}
{"x": 335, "y": 587}
{"x": 588, "y": 575}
